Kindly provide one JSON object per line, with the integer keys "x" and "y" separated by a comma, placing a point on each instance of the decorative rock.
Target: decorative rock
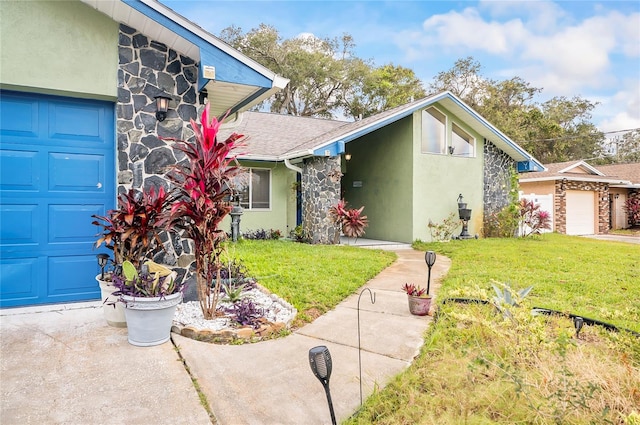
{"x": 158, "y": 46}
{"x": 136, "y": 85}
{"x": 125, "y": 55}
{"x": 166, "y": 82}
{"x": 125, "y": 177}
{"x": 170, "y": 128}
{"x": 124, "y": 39}
{"x": 191, "y": 74}
{"x": 190, "y": 95}
{"x": 174, "y": 67}
{"x": 187, "y": 112}
{"x": 182, "y": 85}
{"x": 153, "y": 59}
{"x": 124, "y": 111}
{"x": 137, "y": 152}
{"x": 151, "y": 141}
{"x": 132, "y": 68}
{"x": 139, "y": 41}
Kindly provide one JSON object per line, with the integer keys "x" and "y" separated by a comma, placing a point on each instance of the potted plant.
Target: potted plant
{"x": 131, "y": 232}
{"x": 419, "y": 299}
{"x": 203, "y": 188}
{"x": 150, "y": 295}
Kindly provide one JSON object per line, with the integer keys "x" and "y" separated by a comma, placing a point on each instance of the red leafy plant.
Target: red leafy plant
{"x": 532, "y": 219}
{"x": 632, "y": 208}
{"x": 351, "y": 220}
{"x": 133, "y": 229}
{"x": 203, "y": 187}
{"x": 414, "y": 290}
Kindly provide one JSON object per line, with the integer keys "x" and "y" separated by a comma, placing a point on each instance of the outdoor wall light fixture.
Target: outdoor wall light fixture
{"x": 320, "y": 362}
{"x": 451, "y": 149}
{"x": 616, "y": 196}
{"x": 162, "y": 106}
{"x": 347, "y": 156}
{"x": 102, "y": 262}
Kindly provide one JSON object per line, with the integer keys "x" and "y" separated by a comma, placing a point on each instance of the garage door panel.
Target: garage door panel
{"x": 580, "y": 212}
{"x": 69, "y": 224}
{"x": 19, "y": 117}
{"x": 76, "y": 122}
{"x": 19, "y": 170}
{"x": 70, "y": 172}
{"x": 57, "y": 159}
{"x": 73, "y": 276}
{"x": 19, "y": 224}
{"x": 19, "y": 279}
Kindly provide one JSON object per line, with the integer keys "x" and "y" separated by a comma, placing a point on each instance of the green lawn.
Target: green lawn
{"x": 597, "y": 279}
{"x": 481, "y": 367}
{"x": 314, "y": 279}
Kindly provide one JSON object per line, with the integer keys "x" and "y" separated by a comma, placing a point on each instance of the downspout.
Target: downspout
{"x": 290, "y": 166}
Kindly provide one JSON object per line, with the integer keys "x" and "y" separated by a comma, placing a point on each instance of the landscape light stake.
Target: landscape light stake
{"x": 373, "y": 301}
{"x": 102, "y": 262}
{"x": 320, "y": 362}
{"x": 578, "y": 322}
{"x": 430, "y": 259}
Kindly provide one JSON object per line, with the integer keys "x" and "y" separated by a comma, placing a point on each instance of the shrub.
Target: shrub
{"x": 351, "y": 220}
{"x": 532, "y": 219}
{"x": 632, "y": 208}
{"x": 262, "y": 234}
{"x": 246, "y": 313}
{"x": 444, "y": 231}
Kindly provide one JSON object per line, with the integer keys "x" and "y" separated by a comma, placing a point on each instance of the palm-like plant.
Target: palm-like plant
{"x": 351, "y": 220}
{"x": 202, "y": 189}
{"x": 133, "y": 229}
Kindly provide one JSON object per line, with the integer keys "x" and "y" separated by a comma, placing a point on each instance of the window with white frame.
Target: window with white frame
{"x": 434, "y": 131}
{"x": 462, "y": 143}
{"x": 254, "y": 188}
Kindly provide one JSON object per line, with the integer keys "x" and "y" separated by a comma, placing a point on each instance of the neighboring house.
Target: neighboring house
{"x": 586, "y": 199}
{"x": 407, "y": 165}
{"x": 78, "y": 126}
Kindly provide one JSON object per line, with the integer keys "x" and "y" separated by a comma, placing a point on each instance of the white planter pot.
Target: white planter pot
{"x": 113, "y": 313}
{"x": 149, "y": 320}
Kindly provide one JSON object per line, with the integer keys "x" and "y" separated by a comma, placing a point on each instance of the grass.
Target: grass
{"x": 313, "y": 278}
{"x": 481, "y": 367}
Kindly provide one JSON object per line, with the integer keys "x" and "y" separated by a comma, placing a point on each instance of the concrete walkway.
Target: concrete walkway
{"x": 69, "y": 367}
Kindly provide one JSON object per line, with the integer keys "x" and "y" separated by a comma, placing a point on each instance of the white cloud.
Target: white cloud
{"x": 622, "y": 110}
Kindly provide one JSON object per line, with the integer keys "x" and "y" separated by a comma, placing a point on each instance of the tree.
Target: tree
{"x": 554, "y": 131}
{"x": 326, "y": 78}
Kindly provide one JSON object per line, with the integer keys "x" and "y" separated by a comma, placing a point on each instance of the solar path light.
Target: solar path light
{"x": 102, "y": 262}
{"x": 430, "y": 259}
{"x": 320, "y": 362}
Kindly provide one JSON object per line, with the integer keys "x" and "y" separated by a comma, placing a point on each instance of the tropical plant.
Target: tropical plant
{"x": 352, "y": 221}
{"x": 153, "y": 280}
{"x": 133, "y": 229}
{"x": 203, "y": 186}
{"x": 632, "y": 208}
{"x": 532, "y": 219}
{"x": 233, "y": 292}
{"x": 246, "y": 313}
{"x": 414, "y": 290}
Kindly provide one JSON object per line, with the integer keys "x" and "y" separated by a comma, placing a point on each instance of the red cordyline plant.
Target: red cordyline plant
{"x": 532, "y": 219}
{"x": 132, "y": 230}
{"x": 632, "y": 208}
{"x": 202, "y": 187}
{"x": 352, "y": 221}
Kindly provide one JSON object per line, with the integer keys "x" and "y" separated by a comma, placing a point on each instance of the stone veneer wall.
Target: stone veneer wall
{"x": 560, "y": 202}
{"x": 146, "y": 69}
{"x": 498, "y": 167}
{"x": 320, "y": 191}
{"x": 633, "y": 193}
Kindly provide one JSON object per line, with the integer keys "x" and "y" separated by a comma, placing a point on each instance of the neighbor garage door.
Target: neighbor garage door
{"x": 580, "y": 212}
{"x": 57, "y": 169}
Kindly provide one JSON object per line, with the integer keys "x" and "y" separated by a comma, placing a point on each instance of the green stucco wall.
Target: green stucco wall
{"x": 439, "y": 179}
{"x": 58, "y": 47}
{"x": 282, "y": 215}
{"x": 382, "y": 162}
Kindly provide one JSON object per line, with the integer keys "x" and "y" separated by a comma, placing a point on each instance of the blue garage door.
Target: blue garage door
{"x": 56, "y": 170}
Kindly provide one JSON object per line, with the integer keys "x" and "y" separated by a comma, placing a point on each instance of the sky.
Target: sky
{"x": 589, "y": 49}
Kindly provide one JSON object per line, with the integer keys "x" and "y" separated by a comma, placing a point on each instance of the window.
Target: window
{"x": 254, "y": 188}
{"x": 434, "y": 126}
{"x": 461, "y": 142}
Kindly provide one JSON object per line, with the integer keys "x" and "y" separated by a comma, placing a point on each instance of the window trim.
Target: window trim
{"x": 448, "y": 135}
{"x": 446, "y": 131}
{"x": 249, "y": 202}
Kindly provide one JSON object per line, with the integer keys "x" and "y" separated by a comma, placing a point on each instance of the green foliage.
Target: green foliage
{"x": 554, "y": 131}
{"x": 444, "y": 231}
{"x": 326, "y": 78}
{"x": 233, "y": 293}
{"x": 313, "y": 278}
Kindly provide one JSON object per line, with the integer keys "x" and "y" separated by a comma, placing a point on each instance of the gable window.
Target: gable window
{"x": 434, "y": 131}
{"x": 462, "y": 143}
{"x": 254, "y": 188}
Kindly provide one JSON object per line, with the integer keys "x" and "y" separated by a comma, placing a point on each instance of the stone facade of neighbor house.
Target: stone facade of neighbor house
{"x": 498, "y": 169}
{"x": 148, "y": 68}
{"x": 320, "y": 191}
